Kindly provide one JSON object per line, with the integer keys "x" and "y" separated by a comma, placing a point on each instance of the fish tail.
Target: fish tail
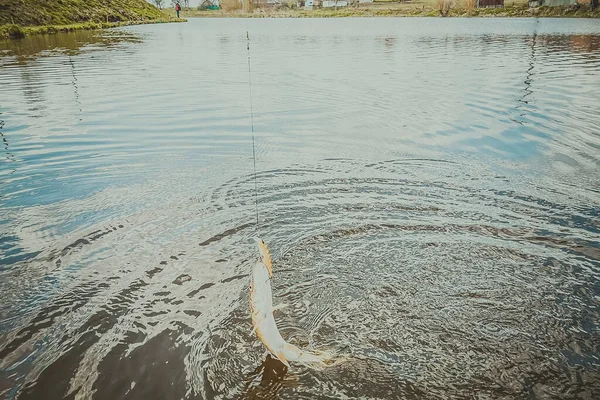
{"x": 293, "y": 353}
{"x": 281, "y": 356}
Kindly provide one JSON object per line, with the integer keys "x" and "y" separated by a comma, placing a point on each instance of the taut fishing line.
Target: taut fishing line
{"x": 252, "y": 128}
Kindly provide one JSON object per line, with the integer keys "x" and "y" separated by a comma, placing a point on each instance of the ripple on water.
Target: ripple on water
{"x": 429, "y": 194}
{"x": 424, "y": 316}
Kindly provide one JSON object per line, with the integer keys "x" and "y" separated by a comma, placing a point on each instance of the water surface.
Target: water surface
{"x": 429, "y": 189}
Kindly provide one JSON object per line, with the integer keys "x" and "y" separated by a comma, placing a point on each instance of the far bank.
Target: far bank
{"x": 418, "y": 8}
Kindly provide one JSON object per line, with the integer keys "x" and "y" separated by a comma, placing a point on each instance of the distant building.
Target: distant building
{"x": 333, "y": 3}
{"x": 309, "y": 4}
{"x": 551, "y": 3}
{"x": 490, "y": 3}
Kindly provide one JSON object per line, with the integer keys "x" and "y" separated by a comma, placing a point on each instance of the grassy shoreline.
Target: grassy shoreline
{"x": 517, "y": 10}
{"x": 19, "y": 18}
{"x": 14, "y": 31}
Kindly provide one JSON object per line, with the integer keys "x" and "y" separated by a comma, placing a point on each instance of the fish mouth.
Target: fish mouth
{"x": 264, "y": 257}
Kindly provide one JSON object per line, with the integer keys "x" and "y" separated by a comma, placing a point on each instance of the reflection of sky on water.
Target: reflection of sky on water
{"x": 128, "y": 109}
{"x": 117, "y": 110}
{"x": 390, "y": 142}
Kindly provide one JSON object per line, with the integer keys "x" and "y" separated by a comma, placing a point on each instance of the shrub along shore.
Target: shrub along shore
{"x": 32, "y": 24}
{"x": 14, "y": 31}
{"x": 19, "y": 32}
{"x": 445, "y": 8}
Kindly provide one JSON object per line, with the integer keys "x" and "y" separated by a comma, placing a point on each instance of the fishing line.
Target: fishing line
{"x": 252, "y": 128}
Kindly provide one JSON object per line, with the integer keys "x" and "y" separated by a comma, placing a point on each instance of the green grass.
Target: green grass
{"x": 12, "y": 32}
{"x": 19, "y": 32}
{"x": 67, "y": 12}
{"x": 19, "y": 18}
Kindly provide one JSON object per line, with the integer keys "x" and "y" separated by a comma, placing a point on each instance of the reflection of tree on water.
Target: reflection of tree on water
{"x": 389, "y": 44}
{"x": 10, "y": 157}
{"x": 557, "y": 44}
{"x": 75, "y": 88}
{"x": 33, "y": 91}
{"x": 69, "y": 42}
{"x": 25, "y": 52}
{"x": 527, "y": 91}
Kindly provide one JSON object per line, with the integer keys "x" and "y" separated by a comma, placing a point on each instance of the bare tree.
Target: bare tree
{"x": 183, "y": 3}
{"x": 159, "y": 3}
{"x": 444, "y": 6}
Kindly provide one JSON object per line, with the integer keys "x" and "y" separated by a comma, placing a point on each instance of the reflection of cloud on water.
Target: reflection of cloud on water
{"x": 555, "y": 88}
{"x": 42, "y": 130}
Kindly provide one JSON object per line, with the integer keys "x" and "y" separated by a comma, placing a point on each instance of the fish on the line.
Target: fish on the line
{"x": 263, "y": 321}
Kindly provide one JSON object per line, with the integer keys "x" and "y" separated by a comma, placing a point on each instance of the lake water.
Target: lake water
{"x": 429, "y": 189}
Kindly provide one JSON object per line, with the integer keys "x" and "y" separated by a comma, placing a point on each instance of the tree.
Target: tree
{"x": 183, "y": 3}
{"x": 594, "y": 4}
{"x": 159, "y": 3}
{"x": 444, "y": 7}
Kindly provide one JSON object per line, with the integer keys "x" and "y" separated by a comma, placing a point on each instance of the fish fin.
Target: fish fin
{"x": 281, "y": 357}
{"x": 296, "y": 354}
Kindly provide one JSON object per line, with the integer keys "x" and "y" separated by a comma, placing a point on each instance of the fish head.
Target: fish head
{"x": 265, "y": 256}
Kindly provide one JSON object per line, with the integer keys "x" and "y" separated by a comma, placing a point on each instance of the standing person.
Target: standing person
{"x": 177, "y": 9}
